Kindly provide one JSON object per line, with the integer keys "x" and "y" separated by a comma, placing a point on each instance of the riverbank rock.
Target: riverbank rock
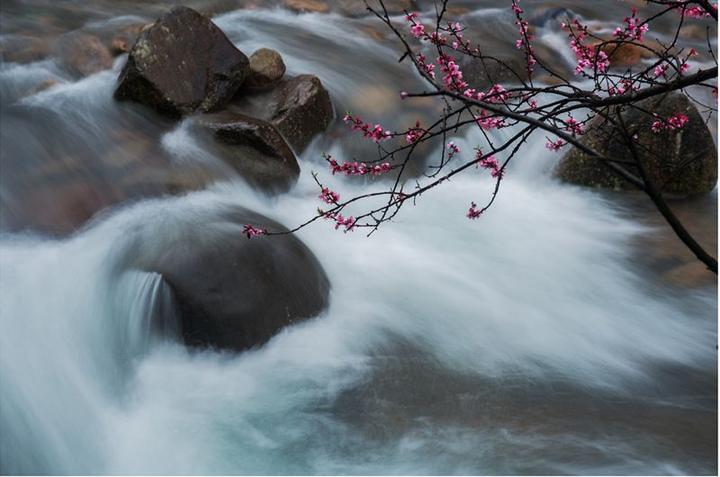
{"x": 298, "y": 107}
{"x": 82, "y": 54}
{"x": 182, "y": 63}
{"x": 680, "y": 162}
{"x": 266, "y": 70}
{"x": 234, "y": 293}
{"x": 253, "y": 147}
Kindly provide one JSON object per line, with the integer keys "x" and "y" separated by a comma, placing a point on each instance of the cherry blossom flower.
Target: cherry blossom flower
{"x": 251, "y": 231}
{"x": 376, "y": 133}
{"x": 328, "y": 196}
{"x": 473, "y": 212}
{"x": 555, "y": 145}
{"x": 676, "y": 121}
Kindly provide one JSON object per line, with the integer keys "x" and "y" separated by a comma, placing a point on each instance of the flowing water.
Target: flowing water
{"x": 546, "y": 337}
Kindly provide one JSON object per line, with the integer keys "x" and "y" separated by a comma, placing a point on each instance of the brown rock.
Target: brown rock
{"x": 83, "y": 54}
{"x": 253, "y": 147}
{"x": 182, "y": 63}
{"x": 266, "y": 69}
{"x": 313, "y": 6}
{"x": 23, "y": 49}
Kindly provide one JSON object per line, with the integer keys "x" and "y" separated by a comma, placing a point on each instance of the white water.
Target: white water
{"x": 539, "y": 291}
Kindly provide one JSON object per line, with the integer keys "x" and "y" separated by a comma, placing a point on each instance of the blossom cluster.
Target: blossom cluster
{"x": 555, "y": 145}
{"x": 376, "y": 133}
{"x": 588, "y": 58}
{"x": 473, "y": 212}
{"x": 634, "y": 29}
{"x": 525, "y": 38}
{"x": 676, "y": 121}
{"x": 358, "y": 168}
{"x": 489, "y": 162}
{"x": 328, "y": 196}
{"x": 340, "y": 221}
{"x": 251, "y": 231}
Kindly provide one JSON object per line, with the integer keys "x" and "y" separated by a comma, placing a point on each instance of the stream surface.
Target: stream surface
{"x": 565, "y": 332}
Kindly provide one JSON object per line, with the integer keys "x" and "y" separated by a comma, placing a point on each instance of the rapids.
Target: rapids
{"x": 539, "y": 339}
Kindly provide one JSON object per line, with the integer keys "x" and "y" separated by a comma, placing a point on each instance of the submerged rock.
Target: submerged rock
{"x": 266, "y": 69}
{"x": 182, "y": 63}
{"x": 679, "y": 162}
{"x": 253, "y": 147}
{"x": 23, "y": 49}
{"x": 83, "y": 54}
{"x": 298, "y": 107}
{"x": 234, "y": 293}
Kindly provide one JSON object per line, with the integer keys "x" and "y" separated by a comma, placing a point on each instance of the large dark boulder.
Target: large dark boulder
{"x": 182, "y": 63}
{"x": 251, "y": 146}
{"x": 680, "y": 162}
{"x": 236, "y": 293}
{"x": 298, "y": 107}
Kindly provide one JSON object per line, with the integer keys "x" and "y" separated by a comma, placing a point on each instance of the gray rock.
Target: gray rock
{"x": 234, "y": 293}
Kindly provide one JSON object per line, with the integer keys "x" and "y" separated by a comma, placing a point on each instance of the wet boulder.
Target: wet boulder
{"x": 234, "y": 293}
{"x": 679, "y": 162}
{"x": 82, "y": 54}
{"x": 253, "y": 147}
{"x": 298, "y": 107}
{"x": 182, "y": 63}
{"x": 266, "y": 69}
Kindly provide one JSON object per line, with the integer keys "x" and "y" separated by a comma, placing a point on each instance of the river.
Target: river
{"x": 565, "y": 332}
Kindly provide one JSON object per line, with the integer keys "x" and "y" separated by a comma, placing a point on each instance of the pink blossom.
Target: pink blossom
{"x": 358, "y": 168}
{"x": 376, "y": 133}
{"x": 676, "y": 121}
{"x": 414, "y": 133}
{"x": 340, "y": 221}
{"x": 634, "y": 29}
{"x": 473, "y": 211}
{"x": 555, "y": 145}
{"x": 490, "y": 163}
{"x": 452, "y": 149}
{"x": 660, "y": 70}
{"x": 328, "y": 196}
{"x": 588, "y": 58}
{"x": 574, "y": 126}
{"x": 491, "y": 122}
{"x": 417, "y": 30}
{"x": 251, "y": 231}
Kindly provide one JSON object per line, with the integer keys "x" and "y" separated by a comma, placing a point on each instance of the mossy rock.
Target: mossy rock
{"x": 680, "y": 162}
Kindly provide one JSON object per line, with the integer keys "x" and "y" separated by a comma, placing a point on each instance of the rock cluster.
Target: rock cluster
{"x": 239, "y": 293}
